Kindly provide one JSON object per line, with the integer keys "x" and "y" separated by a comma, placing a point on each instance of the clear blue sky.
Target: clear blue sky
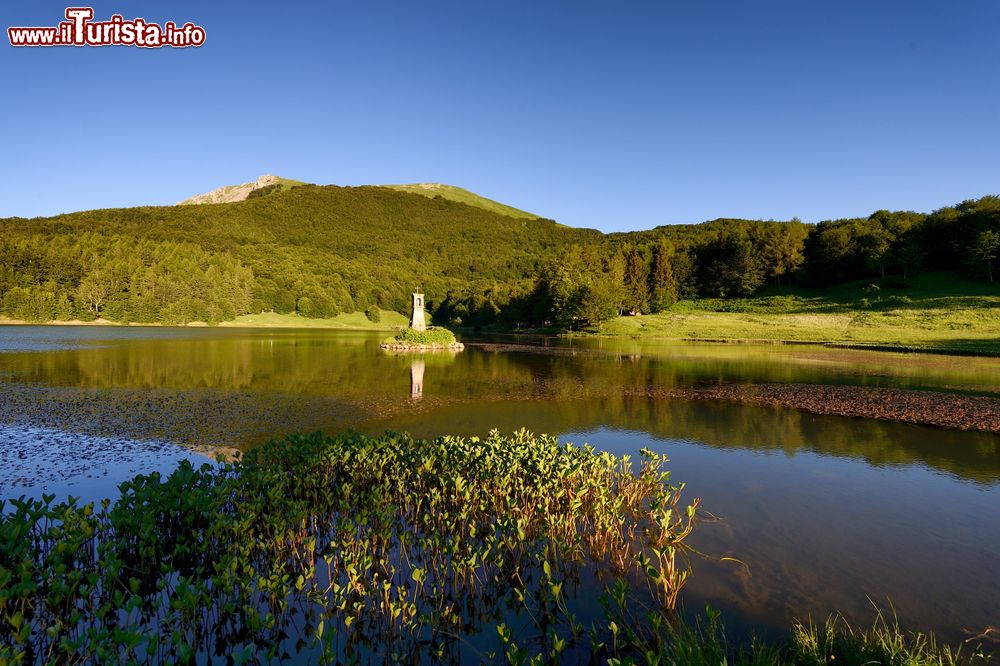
{"x": 614, "y": 115}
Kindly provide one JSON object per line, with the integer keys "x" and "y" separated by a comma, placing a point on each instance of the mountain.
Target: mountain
{"x": 322, "y": 250}
{"x": 232, "y": 193}
{"x": 314, "y": 250}
{"x": 453, "y": 193}
{"x": 268, "y": 184}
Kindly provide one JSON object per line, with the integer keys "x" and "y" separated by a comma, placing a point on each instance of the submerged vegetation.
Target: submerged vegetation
{"x": 354, "y": 547}
{"x": 509, "y": 549}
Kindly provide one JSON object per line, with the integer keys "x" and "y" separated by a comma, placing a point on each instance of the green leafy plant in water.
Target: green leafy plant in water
{"x": 376, "y": 549}
{"x": 344, "y": 547}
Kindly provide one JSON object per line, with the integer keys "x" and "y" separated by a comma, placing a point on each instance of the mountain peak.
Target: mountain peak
{"x": 230, "y": 193}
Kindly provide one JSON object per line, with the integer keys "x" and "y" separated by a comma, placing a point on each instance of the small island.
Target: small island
{"x": 418, "y": 337}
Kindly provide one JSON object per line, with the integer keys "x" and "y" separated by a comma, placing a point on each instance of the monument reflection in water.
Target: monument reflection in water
{"x": 417, "y": 379}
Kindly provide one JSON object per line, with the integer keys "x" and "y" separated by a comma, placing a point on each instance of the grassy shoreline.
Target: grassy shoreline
{"x": 934, "y": 314}
{"x": 353, "y": 321}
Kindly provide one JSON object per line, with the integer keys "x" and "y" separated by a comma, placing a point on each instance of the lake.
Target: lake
{"x": 828, "y": 513}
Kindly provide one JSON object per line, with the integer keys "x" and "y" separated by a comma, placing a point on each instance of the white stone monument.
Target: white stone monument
{"x": 417, "y": 321}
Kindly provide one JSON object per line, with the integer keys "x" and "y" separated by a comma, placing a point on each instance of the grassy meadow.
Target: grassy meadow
{"x": 389, "y": 321}
{"x": 461, "y": 195}
{"x": 353, "y": 321}
{"x": 936, "y": 312}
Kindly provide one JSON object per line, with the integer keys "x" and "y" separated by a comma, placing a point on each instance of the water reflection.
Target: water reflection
{"x": 827, "y": 511}
{"x": 824, "y": 533}
{"x": 829, "y": 514}
{"x": 417, "y": 378}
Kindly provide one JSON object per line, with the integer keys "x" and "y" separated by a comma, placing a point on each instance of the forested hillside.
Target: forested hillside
{"x": 318, "y": 251}
{"x": 312, "y": 250}
{"x": 647, "y": 271}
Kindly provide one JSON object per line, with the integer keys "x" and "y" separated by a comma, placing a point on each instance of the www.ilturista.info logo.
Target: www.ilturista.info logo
{"x": 81, "y": 30}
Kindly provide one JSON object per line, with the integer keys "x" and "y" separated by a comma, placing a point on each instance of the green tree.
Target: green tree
{"x": 663, "y": 287}
{"x": 63, "y": 308}
{"x": 636, "y": 282}
{"x": 875, "y": 243}
{"x": 579, "y": 292}
{"x": 782, "y": 249}
{"x": 909, "y": 254}
{"x": 563, "y": 286}
{"x": 98, "y": 288}
{"x": 615, "y": 268}
{"x": 304, "y": 306}
{"x": 732, "y": 266}
{"x": 986, "y": 249}
{"x": 831, "y": 253}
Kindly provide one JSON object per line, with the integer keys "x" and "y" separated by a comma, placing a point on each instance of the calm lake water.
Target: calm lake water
{"x": 828, "y": 513}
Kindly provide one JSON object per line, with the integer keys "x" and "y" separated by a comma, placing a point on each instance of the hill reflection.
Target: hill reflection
{"x": 238, "y": 388}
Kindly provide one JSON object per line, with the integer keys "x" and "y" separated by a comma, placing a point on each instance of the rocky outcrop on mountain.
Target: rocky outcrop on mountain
{"x": 231, "y": 193}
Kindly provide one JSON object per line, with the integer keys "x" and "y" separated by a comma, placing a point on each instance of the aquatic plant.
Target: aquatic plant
{"x": 353, "y": 548}
{"x": 884, "y": 642}
{"x": 703, "y": 642}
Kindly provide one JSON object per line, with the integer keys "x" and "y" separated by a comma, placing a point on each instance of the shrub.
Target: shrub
{"x": 304, "y": 306}
{"x": 374, "y": 314}
{"x": 432, "y": 336}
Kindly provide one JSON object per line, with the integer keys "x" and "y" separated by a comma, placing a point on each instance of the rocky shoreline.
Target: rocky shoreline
{"x": 413, "y": 347}
{"x": 947, "y": 410}
{"x": 922, "y": 407}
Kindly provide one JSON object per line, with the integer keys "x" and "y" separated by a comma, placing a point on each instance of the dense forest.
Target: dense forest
{"x": 648, "y": 271}
{"x": 315, "y": 251}
{"x": 318, "y": 251}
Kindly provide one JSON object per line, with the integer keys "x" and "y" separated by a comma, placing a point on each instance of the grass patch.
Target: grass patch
{"x": 703, "y": 642}
{"x": 388, "y": 320}
{"x": 836, "y": 641}
{"x": 452, "y": 193}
